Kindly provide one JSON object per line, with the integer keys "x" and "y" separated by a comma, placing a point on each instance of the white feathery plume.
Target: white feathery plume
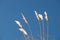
{"x": 40, "y": 16}
{"x": 24, "y": 18}
{"x": 24, "y": 31}
{"x": 18, "y": 23}
{"x": 36, "y": 14}
{"x": 46, "y": 15}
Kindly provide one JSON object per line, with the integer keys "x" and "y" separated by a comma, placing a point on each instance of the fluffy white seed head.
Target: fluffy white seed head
{"x": 46, "y": 16}
{"x": 36, "y": 14}
{"x": 40, "y": 16}
{"x": 24, "y": 18}
{"x": 18, "y": 23}
{"x": 24, "y": 31}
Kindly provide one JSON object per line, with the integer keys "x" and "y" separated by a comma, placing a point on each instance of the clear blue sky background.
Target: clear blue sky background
{"x": 10, "y": 10}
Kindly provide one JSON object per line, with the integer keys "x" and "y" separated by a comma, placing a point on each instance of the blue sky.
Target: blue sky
{"x": 11, "y": 10}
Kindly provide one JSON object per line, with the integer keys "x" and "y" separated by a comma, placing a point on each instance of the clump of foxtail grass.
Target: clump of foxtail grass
{"x": 22, "y": 29}
{"x": 40, "y": 19}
